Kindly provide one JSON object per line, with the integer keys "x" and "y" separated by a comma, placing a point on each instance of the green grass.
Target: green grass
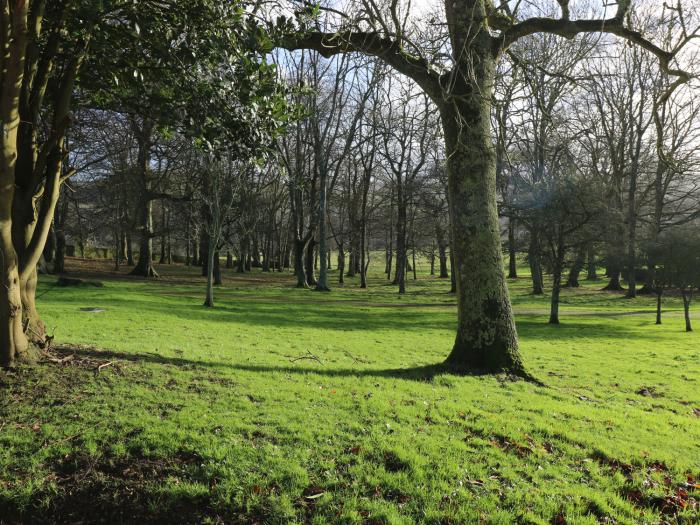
{"x": 207, "y": 415}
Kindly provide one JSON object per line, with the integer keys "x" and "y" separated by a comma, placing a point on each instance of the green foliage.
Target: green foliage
{"x": 211, "y": 413}
{"x": 195, "y": 65}
{"x": 677, "y": 257}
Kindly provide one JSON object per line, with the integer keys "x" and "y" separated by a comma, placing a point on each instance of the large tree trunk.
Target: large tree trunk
{"x": 591, "y": 274}
{"x": 309, "y": 256}
{"x": 614, "y": 285}
{"x": 299, "y": 271}
{"x": 535, "y": 265}
{"x": 572, "y": 280}
{"x": 144, "y": 268}
{"x": 486, "y": 336}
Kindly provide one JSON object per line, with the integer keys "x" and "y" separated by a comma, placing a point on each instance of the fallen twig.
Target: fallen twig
{"x": 103, "y": 365}
{"x": 308, "y": 355}
{"x": 356, "y": 360}
{"x": 69, "y": 438}
{"x": 58, "y": 360}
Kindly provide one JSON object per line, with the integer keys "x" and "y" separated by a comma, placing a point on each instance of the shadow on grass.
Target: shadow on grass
{"x": 349, "y": 317}
{"x": 415, "y": 373}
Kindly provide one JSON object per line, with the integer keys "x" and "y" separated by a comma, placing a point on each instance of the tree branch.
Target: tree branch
{"x": 386, "y": 49}
{"x": 615, "y": 26}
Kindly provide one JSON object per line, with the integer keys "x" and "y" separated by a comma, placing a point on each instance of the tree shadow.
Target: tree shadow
{"x": 354, "y": 318}
{"x": 413, "y": 373}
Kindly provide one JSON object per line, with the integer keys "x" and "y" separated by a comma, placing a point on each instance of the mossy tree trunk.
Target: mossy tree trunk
{"x": 486, "y": 336}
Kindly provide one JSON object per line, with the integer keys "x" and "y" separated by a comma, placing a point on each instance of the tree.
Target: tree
{"x": 479, "y": 33}
{"x": 677, "y": 256}
{"x": 44, "y": 47}
{"x": 218, "y": 194}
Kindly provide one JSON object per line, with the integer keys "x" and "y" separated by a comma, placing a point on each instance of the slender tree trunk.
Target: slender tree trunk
{"x": 217, "y": 269}
{"x": 659, "y": 293}
{"x": 60, "y": 262}
{"x": 129, "y": 251}
{"x": 364, "y": 262}
{"x": 205, "y": 252}
{"x": 556, "y": 283}
{"x": 401, "y": 252}
{"x": 686, "y": 310}
{"x": 209, "y": 298}
{"x": 322, "y": 283}
{"x": 413, "y": 258}
{"x": 163, "y": 241}
{"x": 341, "y": 263}
{"x": 512, "y": 253}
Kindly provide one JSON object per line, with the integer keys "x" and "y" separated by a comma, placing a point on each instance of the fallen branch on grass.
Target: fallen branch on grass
{"x": 103, "y": 365}
{"x": 308, "y": 355}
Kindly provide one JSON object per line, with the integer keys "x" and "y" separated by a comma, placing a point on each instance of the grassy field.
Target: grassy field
{"x": 290, "y": 406}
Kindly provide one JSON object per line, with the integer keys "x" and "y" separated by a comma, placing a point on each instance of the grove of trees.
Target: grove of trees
{"x": 314, "y": 138}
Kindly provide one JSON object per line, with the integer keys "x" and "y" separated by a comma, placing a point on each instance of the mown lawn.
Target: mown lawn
{"x": 290, "y": 406}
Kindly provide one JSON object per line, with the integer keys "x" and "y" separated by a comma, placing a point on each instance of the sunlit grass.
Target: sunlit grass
{"x": 283, "y": 405}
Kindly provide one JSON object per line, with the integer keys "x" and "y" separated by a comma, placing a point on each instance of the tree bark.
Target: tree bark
{"x": 209, "y": 297}
{"x": 322, "y": 282}
{"x": 401, "y": 254}
{"x": 659, "y": 293}
{"x": 486, "y": 336}
{"x": 614, "y": 284}
{"x": 341, "y": 263}
{"x": 299, "y": 271}
{"x": 572, "y": 280}
{"x": 217, "y": 269}
{"x": 535, "y": 265}
{"x": 556, "y": 281}
{"x": 686, "y": 310}
{"x": 309, "y": 257}
{"x": 591, "y": 265}
{"x": 442, "y": 253}
{"x": 144, "y": 133}
{"x": 512, "y": 252}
